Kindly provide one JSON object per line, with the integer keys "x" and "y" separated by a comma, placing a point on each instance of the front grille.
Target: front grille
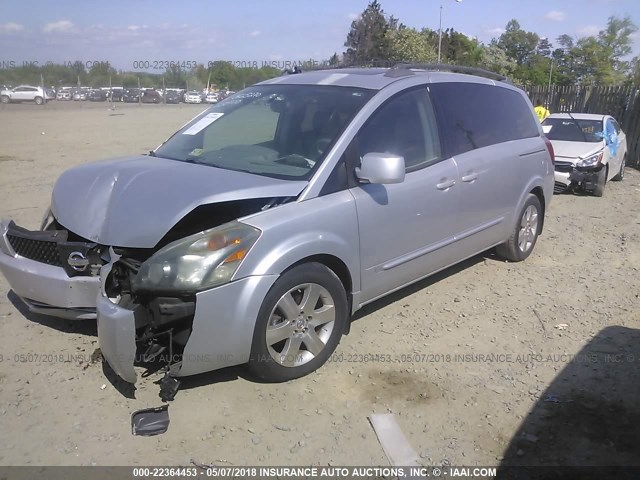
{"x": 559, "y": 187}
{"x": 39, "y": 250}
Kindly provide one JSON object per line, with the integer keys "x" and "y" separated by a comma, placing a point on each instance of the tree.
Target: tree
{"x": 544, "y": 48}
{"x": 223, "y": 74}
{"x": 616, "y": 40}
{"x": 368, "y": 40}
{"x": 407, "y": 44}
{"x": 174, "y": 76}
{"x": 591, "y": 62}
{"x": 634, "y": 77}
{"x": 494, "y": 58}
{"x": 518, "y": 44}
{"x": 100, "y": 73}
{"x": 459, "y": 49}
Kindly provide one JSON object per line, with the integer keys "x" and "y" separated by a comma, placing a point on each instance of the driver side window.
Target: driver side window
{"x": 405, "y": 125}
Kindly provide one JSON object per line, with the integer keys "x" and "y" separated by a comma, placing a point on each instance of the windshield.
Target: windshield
{"x": 571, "y": 130}
{"x": 281, "y": 131}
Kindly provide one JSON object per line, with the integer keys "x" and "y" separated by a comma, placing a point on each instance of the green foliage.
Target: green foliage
{"x": 523, "y": 56}
{"x": 494, "y": 58}
{"x": 368, "y": 39}
{"x": 220, "y": 74}
{"x": 407, "y": 44}
{"x": 518, "y": 44}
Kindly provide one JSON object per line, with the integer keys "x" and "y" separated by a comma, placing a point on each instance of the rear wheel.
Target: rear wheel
{"x": 5, "y": 99}
{"x": 620, "y": 176}
{"x": 598, "y": 191}
{"x": 524, "y": 236}
{"x": 38, "y": 100}
{"x": 299, "y": 324}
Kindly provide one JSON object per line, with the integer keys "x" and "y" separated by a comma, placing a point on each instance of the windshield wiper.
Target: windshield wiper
{"x": 575, "y": 122}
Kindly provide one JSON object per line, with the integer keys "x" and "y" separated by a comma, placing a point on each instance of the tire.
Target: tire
{"x": 5, "y": 99}
{"x": 38, "y": 100}
{"x": 598, "y": 191}
{"x": 291, "y": 350}
{"x": 525, "y": 234}
{"x": 620, "y": 176}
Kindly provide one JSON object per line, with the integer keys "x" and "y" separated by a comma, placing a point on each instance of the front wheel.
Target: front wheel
{"x": 524, "y": 236}
{"x": 5, "y": 99}
{"x": 300, "y": 323}
{"x": 38, "y": 100}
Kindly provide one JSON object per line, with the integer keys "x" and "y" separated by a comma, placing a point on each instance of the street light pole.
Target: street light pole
{"x": 440, "y": 32}
{"x": 440, "y": 35}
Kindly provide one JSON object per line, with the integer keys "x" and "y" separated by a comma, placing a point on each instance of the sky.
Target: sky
{"x": 128, "y": 34}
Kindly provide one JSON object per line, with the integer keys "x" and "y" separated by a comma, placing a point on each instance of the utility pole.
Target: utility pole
{"x": 549, "y": 96}
{"x": 440, "y": 32}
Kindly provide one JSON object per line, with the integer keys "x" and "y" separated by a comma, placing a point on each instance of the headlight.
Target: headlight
{"x": 198, "y": 262}
{"x": 591, "y": 161}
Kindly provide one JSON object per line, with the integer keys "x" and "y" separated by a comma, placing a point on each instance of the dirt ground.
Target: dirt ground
{"x": 491, "y": 362}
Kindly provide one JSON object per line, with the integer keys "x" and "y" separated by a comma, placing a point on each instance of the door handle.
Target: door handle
{"x": 446, "y": 184}
{"x": 470, "y": 178}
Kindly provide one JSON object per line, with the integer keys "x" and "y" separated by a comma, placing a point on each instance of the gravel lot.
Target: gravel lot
{"x": 491, "y": 362}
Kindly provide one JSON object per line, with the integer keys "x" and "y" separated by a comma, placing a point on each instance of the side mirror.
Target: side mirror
{"x": 381, "y": 168}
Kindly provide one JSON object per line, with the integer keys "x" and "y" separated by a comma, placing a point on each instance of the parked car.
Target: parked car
{"x": 97, "y": 96}
{"x": 131, "y": 95}
{"x": 151, "y": 96}
{"x": 172, "y": 97}
{"x": 116, "y": 94}
{"x": 256, "y": 231}
{"x": 64, "y": 94}
{"x": 590, "y": 150}
{"x": 192, "y": 97}
{"x": 26, "y": 93}
{"x": 211, "y": 98}
{"x": 80, "y": 94}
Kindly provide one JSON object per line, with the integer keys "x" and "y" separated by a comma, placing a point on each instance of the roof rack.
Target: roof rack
{"x": 401, "y": 69}
{"x": 449, "y": 68}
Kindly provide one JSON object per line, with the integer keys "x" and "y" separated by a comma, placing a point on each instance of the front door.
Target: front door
{"x": 406, "y": 229}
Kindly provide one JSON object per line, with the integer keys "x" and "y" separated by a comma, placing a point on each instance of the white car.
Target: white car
{"x": 26, "y": 93}
{"x": 590, "y": 150}
{"x": 192, "y": 97}
{"x": 63, "y": 95}
{"x": 212, "y": 98}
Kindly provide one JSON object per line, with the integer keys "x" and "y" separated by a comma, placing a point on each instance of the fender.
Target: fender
{"x": 325, "y": 225}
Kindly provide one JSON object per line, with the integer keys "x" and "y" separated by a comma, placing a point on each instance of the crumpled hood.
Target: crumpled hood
{"x": 134, "y": 201}
{"x": 575, "y": 150}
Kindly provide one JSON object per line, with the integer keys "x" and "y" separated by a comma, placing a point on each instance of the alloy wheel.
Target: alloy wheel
{"x": 528, "y": 228}
{"x": 300, "y": 325}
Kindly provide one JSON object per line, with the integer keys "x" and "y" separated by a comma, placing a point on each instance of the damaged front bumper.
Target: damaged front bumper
{"x": 31, "y": 263}
{"x": 220, "y": 336}
{"x": 568, "y": 176}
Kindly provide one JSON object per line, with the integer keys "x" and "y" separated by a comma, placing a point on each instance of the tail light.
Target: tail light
{"x": 552, "y": 154}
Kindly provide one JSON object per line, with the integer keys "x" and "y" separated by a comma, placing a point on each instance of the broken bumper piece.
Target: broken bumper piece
{"x": 45, "y": 288}
{"x": 221, "y": 332}
{"x": 567, "y": 175}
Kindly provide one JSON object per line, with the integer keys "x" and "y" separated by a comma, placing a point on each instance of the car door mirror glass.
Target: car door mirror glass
{"x": 381, "y": 168}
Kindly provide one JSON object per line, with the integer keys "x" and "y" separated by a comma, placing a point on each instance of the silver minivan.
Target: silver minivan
{"x": 256, "y": 231}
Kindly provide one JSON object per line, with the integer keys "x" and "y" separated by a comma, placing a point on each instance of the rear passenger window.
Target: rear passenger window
{"x": 405, "y": 126}
{"x": 476, "y": 115}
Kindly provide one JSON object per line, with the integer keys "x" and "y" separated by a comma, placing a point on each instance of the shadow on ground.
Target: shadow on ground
{"x": 589, "y": 416}
{"x": 82, "y": 327}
